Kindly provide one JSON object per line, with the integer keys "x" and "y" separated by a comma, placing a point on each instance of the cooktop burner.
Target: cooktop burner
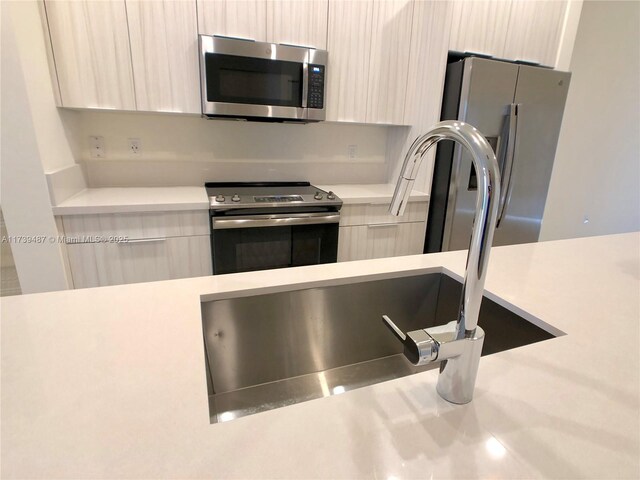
{"x": 226, "y": 195}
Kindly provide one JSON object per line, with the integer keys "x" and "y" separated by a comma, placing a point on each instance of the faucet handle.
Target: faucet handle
{"x": 394, "y": 328}
{"x": 419, "y": 347}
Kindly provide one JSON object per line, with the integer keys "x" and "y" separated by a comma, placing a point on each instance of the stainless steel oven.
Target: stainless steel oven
{"x": 244, "y": 79}
{"x": 258, "y": 226}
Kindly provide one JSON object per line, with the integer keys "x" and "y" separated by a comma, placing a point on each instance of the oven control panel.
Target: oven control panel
{"x": 277, "y": 198}
{"x": 227, "y": 196}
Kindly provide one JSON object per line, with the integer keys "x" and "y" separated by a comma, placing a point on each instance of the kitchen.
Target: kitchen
{"x": 100, "y": 164}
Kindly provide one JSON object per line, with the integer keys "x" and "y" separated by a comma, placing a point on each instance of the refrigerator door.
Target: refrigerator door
{"x": 539, "y": 98}
{"x": 487, "y": 92}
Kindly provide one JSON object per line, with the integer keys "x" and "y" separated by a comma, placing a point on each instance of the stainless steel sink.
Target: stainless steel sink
{"x": 269, "y": 351}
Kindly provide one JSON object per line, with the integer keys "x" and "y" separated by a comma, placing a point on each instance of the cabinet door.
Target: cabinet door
{"x": 164, "y": 51}
{"x": 136, "y": 225}
{"x": 298, "y": 22}
{"x": 100, "y": 264}
{"x": 349, "y": 45}
{"x": 233, "y": 18}
{"x": 480, "y": 26}
{"x": 534, "y": 31}
{"x": 427, "y": 63}
{"x": 378, "y": 241}
{"x": 378, "y": 213}
{"x": 389, "y": 61}
{"x": 90, "y": 44}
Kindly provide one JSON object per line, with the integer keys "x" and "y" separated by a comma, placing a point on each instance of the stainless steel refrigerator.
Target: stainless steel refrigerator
{"x": 519, "y": 109}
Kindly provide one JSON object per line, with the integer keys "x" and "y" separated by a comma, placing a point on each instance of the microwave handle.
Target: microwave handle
{"x": 305, "y": 83}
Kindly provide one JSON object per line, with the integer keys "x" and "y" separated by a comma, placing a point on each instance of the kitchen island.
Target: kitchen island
{"x": 110, "y": 382}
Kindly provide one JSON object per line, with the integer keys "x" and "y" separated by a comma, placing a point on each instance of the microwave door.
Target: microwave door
{"x": 254, "y": 87}
{"x": 257, "y": 81}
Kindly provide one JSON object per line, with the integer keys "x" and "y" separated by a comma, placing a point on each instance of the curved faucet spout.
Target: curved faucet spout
{"x": 457, "y": 344}
{"x": 488, "y": 176}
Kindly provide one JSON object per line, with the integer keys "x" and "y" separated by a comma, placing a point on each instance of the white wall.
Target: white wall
{"x": 595, "y": 185}
{"x": 24, "y": 195}
{"x": 188, "y": 150}
{"x": 55, "y": 152}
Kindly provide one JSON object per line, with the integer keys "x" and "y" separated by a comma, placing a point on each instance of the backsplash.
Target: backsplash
{"x": 188, "y": 150}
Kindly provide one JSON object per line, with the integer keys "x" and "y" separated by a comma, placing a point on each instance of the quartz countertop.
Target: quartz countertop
{"x": 158, "y": 199}
{"x": 134, "y": 199}
{"x": 374, "y": 193}
{"x": 110, "y": 382}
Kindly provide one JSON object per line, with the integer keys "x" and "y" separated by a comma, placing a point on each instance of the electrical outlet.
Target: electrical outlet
{"x": 96, "y": 146}
{"x": 135, "y": 147}
{"x": 352, "y": 151}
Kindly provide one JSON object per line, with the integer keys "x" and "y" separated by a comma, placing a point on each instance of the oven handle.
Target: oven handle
{"x": 275, "y": 220}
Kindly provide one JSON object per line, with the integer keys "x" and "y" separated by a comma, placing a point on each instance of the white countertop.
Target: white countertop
{"x": 110, "y": 382}
{"x": 159, "y": 199}
{"x": 134, "y": 199}
{"x": 375, "y": 193}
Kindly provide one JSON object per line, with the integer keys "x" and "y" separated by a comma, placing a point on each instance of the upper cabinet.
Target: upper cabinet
{"x": 368, "y": 43}
{"x": 479, "y": 26}
{"x": 389, "y": 61}
{"x": 349, "y": 45}
{"x": 90, "y": 44}
{"x": 534, "y": 31}
{"x": 386, "y": 57}
{"x": 233, "y": 18}
{"x": 427, "y": 62}
{"x": 514, "y": 30}
{"x": 164, "y": 51}
{"x": 298, "y": 22}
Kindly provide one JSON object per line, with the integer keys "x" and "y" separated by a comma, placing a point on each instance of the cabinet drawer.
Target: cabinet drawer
{"x": 378, "y": 213}
{"x": 88, "y": 228}
{"x": 100, "y": 264}
{"x": 362, "y": 242}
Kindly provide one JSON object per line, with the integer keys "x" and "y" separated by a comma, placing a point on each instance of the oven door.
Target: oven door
{"x": 260, "y": 242}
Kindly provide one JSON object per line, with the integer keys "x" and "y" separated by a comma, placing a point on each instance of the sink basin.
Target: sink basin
{"x": 270, "y": 351}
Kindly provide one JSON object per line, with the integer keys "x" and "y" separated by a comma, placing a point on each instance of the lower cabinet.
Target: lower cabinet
{"x": 117, "y": 248}
{"x": 377, "y": 241}
{"x": 143, "y": 260}
{"x": 368, "y": 231}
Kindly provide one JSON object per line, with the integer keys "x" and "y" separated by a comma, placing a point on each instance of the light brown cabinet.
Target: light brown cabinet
{"x": 164, "y": 52}
{"x": 296, "y": 22}
{"x": 117, "y": 248}
{"x": 233, "y": 18}
{"x": 142, "y": 55}
{"x": 90, "y": 44}
{"x": 369, "y": 231}
{"x": 513, "y": 30}
{"x": 368, "y": 43}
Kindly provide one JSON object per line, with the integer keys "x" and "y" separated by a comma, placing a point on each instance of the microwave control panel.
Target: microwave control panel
{"x": 315, "y": 97}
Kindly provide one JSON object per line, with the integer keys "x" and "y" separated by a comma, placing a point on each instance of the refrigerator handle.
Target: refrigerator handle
{"x": 507, "y": 167}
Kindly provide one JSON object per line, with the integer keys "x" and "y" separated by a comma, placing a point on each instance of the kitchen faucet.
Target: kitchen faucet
{"x": 457, "y": 344}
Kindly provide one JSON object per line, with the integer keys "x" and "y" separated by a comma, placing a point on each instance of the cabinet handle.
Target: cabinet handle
{"x": 383, "y": 225}
{"x": 142, "y": 240}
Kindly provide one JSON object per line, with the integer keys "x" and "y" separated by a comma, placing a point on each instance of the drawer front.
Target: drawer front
{"x": 134, "y": 226}
{"x": 378, "y": 213}
{"x": 363, "y": 242}
{"x": 100, "y": 264}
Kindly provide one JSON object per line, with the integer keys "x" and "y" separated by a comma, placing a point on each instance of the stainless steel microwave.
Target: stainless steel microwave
{"x": 244, "y": 79}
